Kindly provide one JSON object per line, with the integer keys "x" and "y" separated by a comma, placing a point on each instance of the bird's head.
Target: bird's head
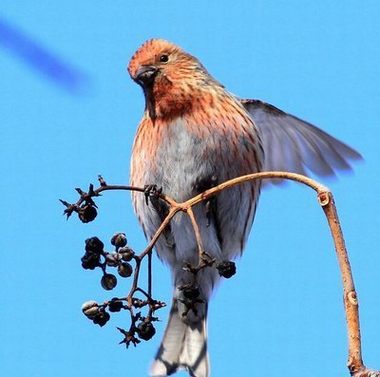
{"x": 154, "y": 60}
{"x": 169, "y": 76}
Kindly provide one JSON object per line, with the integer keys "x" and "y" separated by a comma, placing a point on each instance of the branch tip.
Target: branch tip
{"x": 101, "y": 181}
{"x": 324, "y": 198}
{"x": 66, "y": 204}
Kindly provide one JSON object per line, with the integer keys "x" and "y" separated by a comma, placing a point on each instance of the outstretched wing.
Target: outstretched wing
{"x": 291, "y": 144}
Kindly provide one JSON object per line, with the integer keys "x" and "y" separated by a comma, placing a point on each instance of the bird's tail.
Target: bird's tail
{"x": 184, "y": 346}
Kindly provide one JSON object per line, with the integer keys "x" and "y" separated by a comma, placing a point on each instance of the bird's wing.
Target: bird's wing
{"x": 291, "y": 144}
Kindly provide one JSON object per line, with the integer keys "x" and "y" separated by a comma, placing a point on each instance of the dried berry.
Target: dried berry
{"x": 119, "y": 240}
{"x": 94, "y": 245}
{"x": 90, "y": 261}
{"x": 112, "y": 259}
{"x": 115, "y": 305}
{"x": 90, "y": 309}
{"x": 87, "y": 213}
{"x": 101, "y": 318}
{"x": 108, "y": 282}
{"x": 146, "y": 330}
{"x": 226, "y": 268}
{"x": 126, "y": 253}
{"x": 125, "y": 270}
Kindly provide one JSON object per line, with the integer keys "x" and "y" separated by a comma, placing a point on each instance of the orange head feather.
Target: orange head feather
{"x": 172, "y": 80}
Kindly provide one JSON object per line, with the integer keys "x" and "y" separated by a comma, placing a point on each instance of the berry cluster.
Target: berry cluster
{"x": 141, "y": 327}
{"x": 127, "y": 263}
{"x": 95, "y": 256}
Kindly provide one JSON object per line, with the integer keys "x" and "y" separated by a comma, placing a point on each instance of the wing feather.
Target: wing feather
{"x": 292, "y": 144}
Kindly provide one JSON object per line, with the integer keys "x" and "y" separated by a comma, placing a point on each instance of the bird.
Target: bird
{"x": 195, "y": 134}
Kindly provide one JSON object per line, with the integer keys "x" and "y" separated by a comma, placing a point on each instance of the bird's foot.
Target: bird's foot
{"x": 152, "y": 193}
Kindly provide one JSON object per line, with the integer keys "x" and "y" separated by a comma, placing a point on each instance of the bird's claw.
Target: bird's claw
{"x": 152, "y": 192}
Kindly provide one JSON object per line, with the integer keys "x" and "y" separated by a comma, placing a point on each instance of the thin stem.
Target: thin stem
{"x": 252, "y": 177}
{"x": 135, "y": 281}
{"x": 355, "y": 362}
{"x": 159, "y": 231}
{"x": 150, "y": 274}
{"x": 196, "y": 232}
{"x": 146, "y": 294}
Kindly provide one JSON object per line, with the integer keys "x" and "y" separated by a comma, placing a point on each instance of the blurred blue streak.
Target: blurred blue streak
{"x": 51, "y": 66}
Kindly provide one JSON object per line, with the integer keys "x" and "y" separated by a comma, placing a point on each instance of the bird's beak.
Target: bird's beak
{"x": 145, "y": 74}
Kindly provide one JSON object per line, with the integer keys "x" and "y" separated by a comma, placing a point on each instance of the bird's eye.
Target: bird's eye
{"x": 164, "y": 58}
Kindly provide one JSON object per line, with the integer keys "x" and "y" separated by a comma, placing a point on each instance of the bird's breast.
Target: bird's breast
{"x": 175, "y": 154}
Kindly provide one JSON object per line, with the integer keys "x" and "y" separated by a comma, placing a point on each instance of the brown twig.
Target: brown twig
{"x": 355, "y": 362}
{"x": 351, "y": 304}
{"x": 150, "y": 274}
{"x": 325, "y": 198}
{"x": 196, "y": 232}
{"x": 159, "y": 231}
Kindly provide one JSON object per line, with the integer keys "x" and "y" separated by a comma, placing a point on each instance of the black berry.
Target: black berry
{"x": 94, "y": 245}
{"x": 87, "y": 213}
{"x": 112, "y": 259}
{"x": 101, "y": 318}
{"x": 146, "y": 330}
{"x": 125, "y": 270}
{"x": 90, "y": 261}
{"x": 126, "y": 253}
{"x": 115, "y": 305}
{"x": 226, "y": 268}
{"x": 119, "y": 240}
{"x": 108, "y": 282}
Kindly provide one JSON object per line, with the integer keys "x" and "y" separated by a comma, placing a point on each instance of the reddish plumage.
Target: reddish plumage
{"x": 194, "y": 134}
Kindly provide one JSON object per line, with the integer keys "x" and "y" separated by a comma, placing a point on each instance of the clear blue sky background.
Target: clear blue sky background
{"x": 282, "y": 314}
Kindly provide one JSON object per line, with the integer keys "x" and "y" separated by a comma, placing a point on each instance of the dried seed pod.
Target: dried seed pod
{"x": 90, "y": 309}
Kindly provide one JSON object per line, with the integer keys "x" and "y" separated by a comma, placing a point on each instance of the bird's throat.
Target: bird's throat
{"x": 150, "y": 103}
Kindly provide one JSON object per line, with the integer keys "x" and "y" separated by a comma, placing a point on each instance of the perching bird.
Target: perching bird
{"x": 193, "y": 135}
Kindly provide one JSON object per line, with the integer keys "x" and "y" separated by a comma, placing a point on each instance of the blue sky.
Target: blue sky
{"x": 283, "y": 311}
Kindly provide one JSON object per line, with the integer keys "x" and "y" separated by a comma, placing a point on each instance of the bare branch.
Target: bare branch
{"x": 326, "y": 201}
